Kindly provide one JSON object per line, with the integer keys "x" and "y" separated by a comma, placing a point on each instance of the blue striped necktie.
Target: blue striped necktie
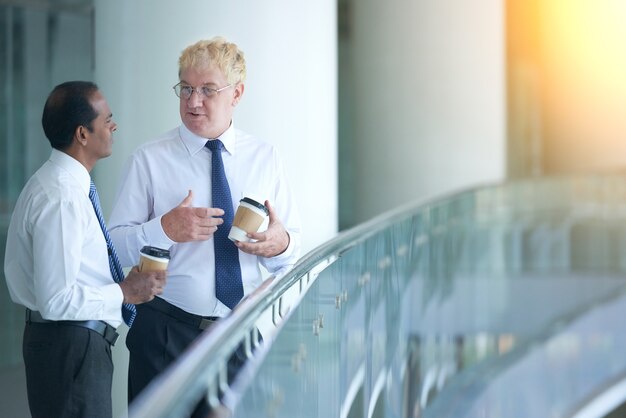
{"x": 129, "y": 311}
{"x": 228, "y": 285}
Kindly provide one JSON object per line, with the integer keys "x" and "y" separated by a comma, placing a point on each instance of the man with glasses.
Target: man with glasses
{"x": 169, "y": 198}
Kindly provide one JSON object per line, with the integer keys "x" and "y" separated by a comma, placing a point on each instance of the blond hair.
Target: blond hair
{"x": 215, "y": 52}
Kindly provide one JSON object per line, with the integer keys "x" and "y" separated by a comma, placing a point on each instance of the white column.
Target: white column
{"x": 428, "y": 100}
{"x": 289, "y": 101}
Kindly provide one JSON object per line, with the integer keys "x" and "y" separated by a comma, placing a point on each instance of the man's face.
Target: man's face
{"x": 100, "y": 141}
{"x": 208, "y": 117}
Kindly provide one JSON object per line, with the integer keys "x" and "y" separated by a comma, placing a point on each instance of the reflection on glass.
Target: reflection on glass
{"x": 504, "y": 301}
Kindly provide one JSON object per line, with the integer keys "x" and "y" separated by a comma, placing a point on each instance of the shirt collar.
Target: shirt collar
{"x": 195, "y": 143}
{"x": 73, "y": 167}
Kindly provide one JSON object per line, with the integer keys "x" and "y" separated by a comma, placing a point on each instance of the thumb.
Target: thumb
{"x": 187, "y": 200}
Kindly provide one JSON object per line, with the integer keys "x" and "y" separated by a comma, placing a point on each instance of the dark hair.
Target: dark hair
{"x": 66, "y": 109}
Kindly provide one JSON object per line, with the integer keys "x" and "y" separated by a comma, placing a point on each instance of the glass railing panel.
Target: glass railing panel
{"x": 353, "y": 336}
{"x": 458, "y": 292}
{"x": 295, "y": 372}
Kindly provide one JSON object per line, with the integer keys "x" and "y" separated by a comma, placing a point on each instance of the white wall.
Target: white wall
{"x": 428, "y": 99}
{"x": 290, "y": 96}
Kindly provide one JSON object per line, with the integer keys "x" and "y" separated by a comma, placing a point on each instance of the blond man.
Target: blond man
{"x": 168, "y": 199}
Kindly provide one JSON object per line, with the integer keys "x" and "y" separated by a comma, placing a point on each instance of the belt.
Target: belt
{"x": 101, "y": 327}
{"x": 196, "y": 321}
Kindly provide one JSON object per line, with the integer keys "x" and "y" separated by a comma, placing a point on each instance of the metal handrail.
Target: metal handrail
{"x": 171, "y": 394}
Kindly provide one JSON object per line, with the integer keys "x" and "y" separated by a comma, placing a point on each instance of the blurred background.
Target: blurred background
{"x": 371, "y": 104}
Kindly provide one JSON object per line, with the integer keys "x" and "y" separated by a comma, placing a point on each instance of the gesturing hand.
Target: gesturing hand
{"x": 185, "y": 223}
{"x": 269, "y": 243}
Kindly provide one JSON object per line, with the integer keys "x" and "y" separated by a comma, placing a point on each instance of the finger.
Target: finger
{"x": 270, "y": 211}
{"x": 215, "y": 221}
{"x": 201, "y": 212}
{"x": 202, "y": 236}
{"x": 187, "y": 200}
{"x": 246, "y": 247}
{"x": 255, "y": 248}
{"x": 215, "y": 212}
{"x": 208, "y": 212}
{"x": 205, "y": 224}
{"x": 207, "y": 231}
{"x": 258, "y": 236}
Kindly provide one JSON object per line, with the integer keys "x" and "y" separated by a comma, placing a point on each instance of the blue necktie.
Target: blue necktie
{"x": 128, "y": 311}
{"x": 228, "y": 286}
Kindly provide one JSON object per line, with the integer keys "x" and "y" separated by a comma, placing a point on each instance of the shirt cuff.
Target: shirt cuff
{"x": 288, "y": 251}
{"x": 114, "y": 298}
{"x": 155, "y": 235}
{"x": 285, "y": 258}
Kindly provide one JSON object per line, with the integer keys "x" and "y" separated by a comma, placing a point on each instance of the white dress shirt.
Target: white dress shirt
{"x": 158, "y": 177}
{"x": 56, "y": 259}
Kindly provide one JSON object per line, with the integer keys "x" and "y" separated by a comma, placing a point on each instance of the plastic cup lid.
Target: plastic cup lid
{"x": 156, "y": 252}
{"x": 256, "y": 204}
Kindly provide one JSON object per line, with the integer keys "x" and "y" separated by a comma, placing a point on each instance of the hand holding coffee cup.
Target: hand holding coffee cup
{"x": 249, "y": 217}
{"x": 267, "y": 242}
{"x": 153, "y": 259}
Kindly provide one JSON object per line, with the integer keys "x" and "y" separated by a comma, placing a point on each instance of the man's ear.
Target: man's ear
{"x": 81, "y": 135}
{"x": 239, "y": 88}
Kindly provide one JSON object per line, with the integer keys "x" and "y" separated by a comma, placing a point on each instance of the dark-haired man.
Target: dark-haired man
{"x": 60, "y": 264}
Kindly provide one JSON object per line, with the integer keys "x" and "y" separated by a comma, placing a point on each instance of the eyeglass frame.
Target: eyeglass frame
{"x": 198, "y": 90}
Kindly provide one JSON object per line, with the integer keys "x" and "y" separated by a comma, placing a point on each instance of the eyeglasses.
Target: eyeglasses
{"x": 184, "y": 91}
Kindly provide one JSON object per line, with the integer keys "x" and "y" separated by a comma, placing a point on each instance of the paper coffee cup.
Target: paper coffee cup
{"x": 153, "y": 259}
{"x": 248, "y": 218}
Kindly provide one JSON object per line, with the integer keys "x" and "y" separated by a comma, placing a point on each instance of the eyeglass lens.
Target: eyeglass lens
{"x": 186, "y": 91}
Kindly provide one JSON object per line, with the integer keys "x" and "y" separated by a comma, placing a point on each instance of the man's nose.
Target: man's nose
{"x": 195, "y": 100}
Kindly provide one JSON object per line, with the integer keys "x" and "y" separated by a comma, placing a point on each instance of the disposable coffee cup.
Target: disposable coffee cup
{"x": 153, "y": 259}
{"x": 248, "y": 218}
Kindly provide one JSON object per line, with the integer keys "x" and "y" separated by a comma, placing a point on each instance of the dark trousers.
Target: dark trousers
{"x": 68, "y": 371}
{"x": 155, "y": 340}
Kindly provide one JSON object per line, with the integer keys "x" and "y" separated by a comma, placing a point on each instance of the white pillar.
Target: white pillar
{"x": 428, "y": 100}
{"x": 290, "y": 97}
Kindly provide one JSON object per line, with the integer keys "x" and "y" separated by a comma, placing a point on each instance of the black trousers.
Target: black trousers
{"x": 155, "y": 340}
{"x": 69, "y": 371}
